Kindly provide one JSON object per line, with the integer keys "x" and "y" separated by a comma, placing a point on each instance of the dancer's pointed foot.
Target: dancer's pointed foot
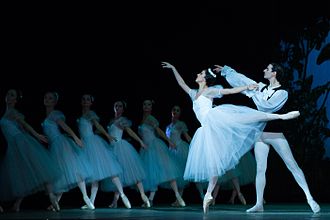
{"x": 1, "y": 209}
{"x": 54, "y": 202}
{"x": 125, "y": 201}
{"x": 180, "y": 200}
{"x": 51, "y": 208}
{"x": 206, "y": 203}
{"x": 144, "y": 205}
{"x": 88, "y": 203}
{"x": 175, "y": 204}
{"x": 314, "y": 206}
{"x": 290, "y": 115}
{"x": 256, "y": 208}
{"x": 113, "y": 205}
{"x": 146, "y": 201}
{"x": 84, "y": 207}
{"x": 241, "y": 198}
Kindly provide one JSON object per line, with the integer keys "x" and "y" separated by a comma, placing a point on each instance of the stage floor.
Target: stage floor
{"x": 272, "y": 211}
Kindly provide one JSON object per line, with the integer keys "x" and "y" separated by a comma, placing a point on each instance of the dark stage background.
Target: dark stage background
{"x": 114, "y": 52}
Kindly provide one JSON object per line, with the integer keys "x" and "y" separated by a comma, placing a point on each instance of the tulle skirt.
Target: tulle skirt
{"x": 72, "y": 161}
{"x": 245, "y": 171}
{"x": 179, "y": 155}
{"x": 131, "y": 163}
{"x": 227, "y": 133}
{"x": 26, "y": 168}
{"x": 160, "y": 167}
{"x": 101, "y": 158}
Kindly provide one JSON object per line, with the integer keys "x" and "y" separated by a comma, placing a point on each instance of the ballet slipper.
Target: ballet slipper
{"x": 314, "y": 206}
{"x": 51, "y": 208}
{"x": 113, "y": 205}
{"x": 146, "y": 201}
{"x": 144, "y": 205}
{"x": 54, "y": 202}
{"x": 206, "y": 203}
{"x": 88, "y": 203}
{"x": 256, "y": 208}
{"x": 125, "y": 201}
{"x": 241, "y": 198}
{"x": 175, "y": 204}
{"x": 180, "y": 200}
{"x": 84, "y": 207}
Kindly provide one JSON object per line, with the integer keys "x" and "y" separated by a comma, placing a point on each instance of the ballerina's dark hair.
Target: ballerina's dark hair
{"x": 90, "y": 95}
{"x": 19, "y": 94}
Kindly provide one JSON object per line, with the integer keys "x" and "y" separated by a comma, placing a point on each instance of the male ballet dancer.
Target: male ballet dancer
{"x": 269, "y": 98}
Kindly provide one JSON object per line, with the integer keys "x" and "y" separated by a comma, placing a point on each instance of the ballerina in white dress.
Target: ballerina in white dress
{"x": 227, "y": 131}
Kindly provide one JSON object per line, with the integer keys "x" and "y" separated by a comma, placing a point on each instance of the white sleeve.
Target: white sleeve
{"x": 192, "y": 93}
{"x": 272, "y": 104}
{"x": 236, "y": 79}
{"x": 214, "y": 91}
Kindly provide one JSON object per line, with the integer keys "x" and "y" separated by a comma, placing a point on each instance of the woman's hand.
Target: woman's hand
{"x": 111, "y": 138}
{"x": 167, "y": 65}
{"x": 42, "y": 138}
{"x": 218, "y": 68}
{"x": 78, "y": 142}
{"x": 252, "y": 86}
{"x": 143, "y": 145}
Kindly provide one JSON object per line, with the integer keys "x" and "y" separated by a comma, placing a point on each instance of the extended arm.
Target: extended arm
{"x": 131, "y": 133}
{"x": 68, "y": 130}
{"x": 187, "y": 136}
{"x": 238, "y": 89}
{"x": 100, "y": 128}
{"x": 264, "y": 104}
{"x": 236, "y": 79}
{"x": 161, "y": 133}
{"x": 28, "y": 127}
{"x": 178, "y": 78}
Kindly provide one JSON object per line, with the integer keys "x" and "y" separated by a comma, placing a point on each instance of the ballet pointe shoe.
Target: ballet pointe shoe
{"x": 51, "y": 208}
{"x": 146, "y": 201}
{"x": 256, "y": 208}
{"x": 180, "y": 200}
{"x": 89, "y": 203}
{"x": 290, "y": 115}
{"x": 55, "y": 206}
{"x": 113, "y": 205}
{"x": 125, "y": 201}
{"x": 314, "y": 206}
{"x": 144, "y": 205}
{"x": 241, "y": 198}
{"x": 175, "y": 204}
{"x": 206, "y": 203}
{"x": 84, "y": 207}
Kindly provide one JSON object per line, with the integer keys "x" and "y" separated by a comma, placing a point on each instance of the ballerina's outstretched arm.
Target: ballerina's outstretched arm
{"x": 178, "y": 77}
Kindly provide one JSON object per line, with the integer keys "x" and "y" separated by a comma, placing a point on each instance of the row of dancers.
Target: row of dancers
{"x": 88, "y": 159}
{"x": 227, "y": 133}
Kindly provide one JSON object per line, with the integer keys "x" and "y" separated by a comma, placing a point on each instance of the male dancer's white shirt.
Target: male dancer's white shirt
{"x": 266, "y": 99}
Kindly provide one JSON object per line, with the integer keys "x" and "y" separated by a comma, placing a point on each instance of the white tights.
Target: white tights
{"x": 281, "y": 146}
